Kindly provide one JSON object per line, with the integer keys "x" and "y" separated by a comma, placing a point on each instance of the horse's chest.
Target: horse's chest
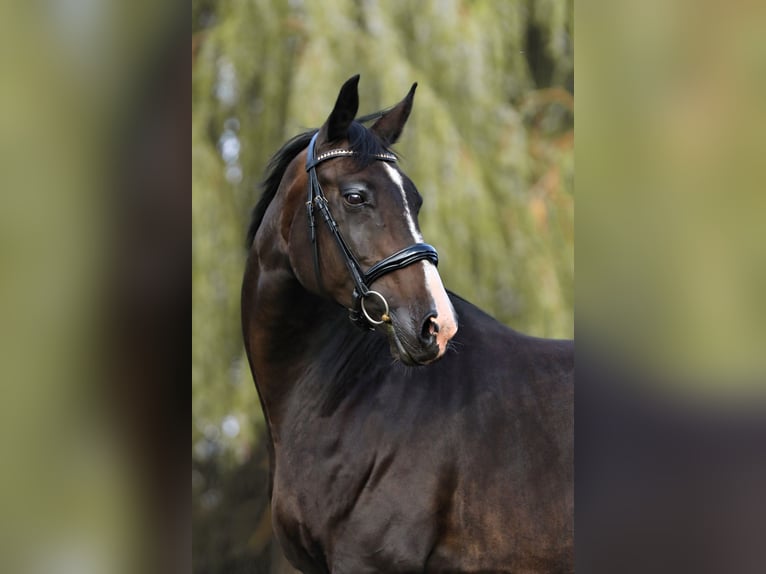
{"x": 354, "y": 518}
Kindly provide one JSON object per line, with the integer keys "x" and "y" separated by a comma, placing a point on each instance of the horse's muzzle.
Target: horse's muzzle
{"x": 419, "y": 350}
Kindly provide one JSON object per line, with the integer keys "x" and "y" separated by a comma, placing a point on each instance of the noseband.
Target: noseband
{"x": 358, "y": 314}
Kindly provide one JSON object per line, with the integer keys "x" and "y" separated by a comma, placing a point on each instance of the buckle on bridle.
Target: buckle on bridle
{"x": 384, "y": 317}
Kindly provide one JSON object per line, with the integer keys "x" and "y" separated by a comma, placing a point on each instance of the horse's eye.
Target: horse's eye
{"x": 353, "y": 198}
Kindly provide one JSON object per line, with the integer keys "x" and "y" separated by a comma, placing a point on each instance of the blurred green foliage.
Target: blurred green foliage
{"x": 489, "y": 145}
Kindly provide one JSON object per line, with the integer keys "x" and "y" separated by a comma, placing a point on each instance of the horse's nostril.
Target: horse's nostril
{"x": 430, "y": 328}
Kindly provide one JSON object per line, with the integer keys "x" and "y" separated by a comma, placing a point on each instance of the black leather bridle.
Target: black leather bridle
{"x": 362, "y": 280}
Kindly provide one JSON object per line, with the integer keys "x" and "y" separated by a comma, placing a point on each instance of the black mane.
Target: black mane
{"x": 361, "y": 140}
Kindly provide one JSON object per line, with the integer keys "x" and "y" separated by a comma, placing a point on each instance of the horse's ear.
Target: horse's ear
{"x": 344, "y": 112}
{"x": 389, "y": 127}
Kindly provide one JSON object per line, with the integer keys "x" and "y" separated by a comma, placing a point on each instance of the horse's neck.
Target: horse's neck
{"x": 282, "y": 323}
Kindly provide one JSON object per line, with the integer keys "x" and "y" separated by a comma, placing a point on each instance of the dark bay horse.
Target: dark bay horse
{"x": 455, "y": 456}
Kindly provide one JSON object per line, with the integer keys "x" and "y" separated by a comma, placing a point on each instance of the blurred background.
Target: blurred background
{"x": 490, "y": 145}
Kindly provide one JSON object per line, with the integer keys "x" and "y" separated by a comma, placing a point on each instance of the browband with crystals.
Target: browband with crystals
{"x": 346, "y": 153}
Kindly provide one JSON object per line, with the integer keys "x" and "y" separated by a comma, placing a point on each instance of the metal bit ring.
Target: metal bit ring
{"x": 384, "y": 318}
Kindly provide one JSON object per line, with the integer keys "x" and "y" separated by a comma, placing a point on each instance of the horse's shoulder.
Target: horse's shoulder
{"x": 523, "y": 350}
{"x": 555, "y": 354}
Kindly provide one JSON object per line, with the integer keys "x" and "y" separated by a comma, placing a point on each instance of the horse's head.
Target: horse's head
{"x": 375, "y": 206}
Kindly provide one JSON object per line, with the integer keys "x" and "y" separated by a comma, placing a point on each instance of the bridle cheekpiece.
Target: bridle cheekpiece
{"x": 358, "y": 314}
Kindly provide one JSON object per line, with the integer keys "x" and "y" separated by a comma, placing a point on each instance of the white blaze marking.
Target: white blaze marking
{"x": 445, "y": 314}
{"x": 444, "y": 311}
{"x": 397, "y": 178}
